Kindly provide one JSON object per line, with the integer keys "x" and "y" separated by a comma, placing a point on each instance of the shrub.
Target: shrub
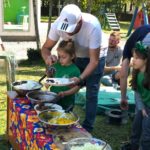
{"x": 34, "y": 54}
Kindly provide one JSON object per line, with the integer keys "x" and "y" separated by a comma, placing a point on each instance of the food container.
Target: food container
{"x": 41, "y": 96}
{"x": 87, "y": 144}
{"x": 58, "y": 118}
{"x": 25, "y": 86}
{"x": 46, "y": 106}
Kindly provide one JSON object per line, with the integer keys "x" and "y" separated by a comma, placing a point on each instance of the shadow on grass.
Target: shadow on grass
{"x": 25, "y": 67}
{"x": 4, "y": 144}
{"x": 29, "y": 63}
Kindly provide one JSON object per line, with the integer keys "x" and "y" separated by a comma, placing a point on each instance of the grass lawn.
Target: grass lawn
{"x": 113, "y": 134}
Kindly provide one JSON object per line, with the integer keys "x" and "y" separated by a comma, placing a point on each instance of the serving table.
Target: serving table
{"x": 26, "y": 132}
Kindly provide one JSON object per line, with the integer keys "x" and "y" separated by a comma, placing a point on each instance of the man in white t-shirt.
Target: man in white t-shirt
{"x": 1, "y": 43}
{"x": 85, "y": 30}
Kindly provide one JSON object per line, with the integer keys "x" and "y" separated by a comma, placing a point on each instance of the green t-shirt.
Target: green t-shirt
{"x": 65, "y": 72}
{"x": 145, "y": 94}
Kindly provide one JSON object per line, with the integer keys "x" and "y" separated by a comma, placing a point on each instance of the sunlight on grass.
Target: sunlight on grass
{"x": 3, "y": 106}
{"x": 3, "y": 121}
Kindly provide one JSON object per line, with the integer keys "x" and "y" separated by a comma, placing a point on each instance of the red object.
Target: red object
{"x": 139, "y": 19}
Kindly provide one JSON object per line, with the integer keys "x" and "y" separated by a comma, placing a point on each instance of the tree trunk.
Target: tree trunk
{"x": 36, "y": 25}
{"x": 50, "y": 15}
{"x": 89, "y": 6}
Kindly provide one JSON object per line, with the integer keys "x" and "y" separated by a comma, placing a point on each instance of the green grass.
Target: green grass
{"x": 113, "y": 134}
{"x": 46, "y": 18}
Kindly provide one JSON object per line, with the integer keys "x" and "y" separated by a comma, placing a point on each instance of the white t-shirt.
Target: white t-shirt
{"x": 104, "y": 45}
{"x": 89, "y": 36}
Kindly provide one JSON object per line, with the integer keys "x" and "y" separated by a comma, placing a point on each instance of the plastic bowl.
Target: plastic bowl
{"x": 87, "y": 144}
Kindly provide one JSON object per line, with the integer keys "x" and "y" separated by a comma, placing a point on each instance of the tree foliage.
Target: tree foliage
{"x": 110, "y": 5}
{"x": 95, "y": 6}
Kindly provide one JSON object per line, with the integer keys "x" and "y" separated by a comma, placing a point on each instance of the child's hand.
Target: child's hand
{"x": 61, "y": 94}
{"x": 144, "y": 113}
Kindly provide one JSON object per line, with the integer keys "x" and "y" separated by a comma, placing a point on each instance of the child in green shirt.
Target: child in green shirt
{"x": 141, "y": 84}
{"x": 65, "y": 68}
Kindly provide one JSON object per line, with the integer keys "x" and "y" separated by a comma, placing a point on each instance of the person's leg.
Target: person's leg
{"x": 106, "y": 80}
{"x": 137, "y": 123}
{"x": 136, "y": 131}
{"x": 145, "y": 138}
{"x": 92, "y": 89}
{"x": 116, "y": 77}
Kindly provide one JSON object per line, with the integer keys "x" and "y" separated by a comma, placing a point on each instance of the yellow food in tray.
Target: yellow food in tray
{"x": 58, "y": 118}
{"x": 61, "y": 121}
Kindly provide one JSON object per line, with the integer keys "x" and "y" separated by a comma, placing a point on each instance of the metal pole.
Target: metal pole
{"x": 132, "y": 21}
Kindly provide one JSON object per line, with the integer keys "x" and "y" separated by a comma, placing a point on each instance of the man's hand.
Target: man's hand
{"x": 51, "y": 60}
{"x": 75, "y": 80}
{"x": 124, "y": 104}
{"x": 50, "y": 71}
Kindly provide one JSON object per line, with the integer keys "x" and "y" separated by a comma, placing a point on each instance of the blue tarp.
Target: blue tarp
{"x": 109, "y": 97}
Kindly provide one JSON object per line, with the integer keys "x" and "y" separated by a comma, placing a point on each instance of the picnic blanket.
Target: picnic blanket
{"x": 108, "y": 98}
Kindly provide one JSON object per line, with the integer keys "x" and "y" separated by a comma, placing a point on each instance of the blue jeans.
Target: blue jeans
{"x": 92, "y": 88}
{"x": 136, "y": 130}
{"x": 109, "y": 79}
{"x": 145, "y": 137}
{"x": 140, "y": 136}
